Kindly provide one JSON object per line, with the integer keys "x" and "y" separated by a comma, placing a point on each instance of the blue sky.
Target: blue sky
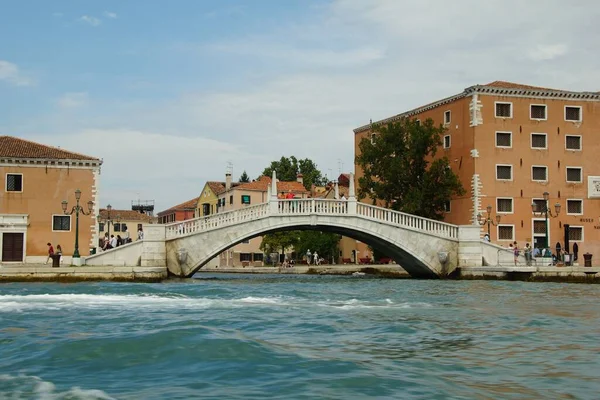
{"x": 169, "y": 93}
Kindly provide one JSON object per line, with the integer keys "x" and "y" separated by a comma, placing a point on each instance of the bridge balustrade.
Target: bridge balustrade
{"x": 308, "y": 207}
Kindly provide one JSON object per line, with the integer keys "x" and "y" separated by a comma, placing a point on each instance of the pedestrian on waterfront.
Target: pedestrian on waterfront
{"x": 113, "y": 241}
{"x": 537, "y": 252}
{"x": 316, "y": 258}
{"x": 575, "y": 251}
{"x": 126, "y": 238}
{"x": 527, "y": 253}
{"x": 140, "y": 233}
{"x": 486, "y": 237}
{"x": 119, "y": 240}
{"x": 558, "y": 252}
{"x": 59, "y": 252}
{"x": 50, "y": 252}
{"x": 516, "y": 252}
{"x": 308, "y": 257}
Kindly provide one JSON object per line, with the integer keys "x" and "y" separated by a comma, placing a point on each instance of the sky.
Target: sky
{"x": 169, "y": 94}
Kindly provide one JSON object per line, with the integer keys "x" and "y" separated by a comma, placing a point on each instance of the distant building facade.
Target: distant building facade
{"x": 509, "y": 143}
{"x": 36, "y": 178}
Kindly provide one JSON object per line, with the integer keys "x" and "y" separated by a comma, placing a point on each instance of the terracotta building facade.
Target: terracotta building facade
{"x": 509, "y": 144}
{"x": 35, "y": 180}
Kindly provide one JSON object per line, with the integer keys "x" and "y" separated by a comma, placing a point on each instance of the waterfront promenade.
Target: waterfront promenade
{"x": 44, "y": 272}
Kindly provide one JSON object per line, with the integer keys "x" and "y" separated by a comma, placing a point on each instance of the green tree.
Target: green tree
{"x": 324, "y": 243}
{"x": 401, "y": 168}
{"x": 279, "y": 241}
{"x": 244, "y": 177}
{"x": 287, "y": 169}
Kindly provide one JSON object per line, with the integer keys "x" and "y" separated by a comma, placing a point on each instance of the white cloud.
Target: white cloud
{"x": 73, "y": 100}
{"x": 11, "y": 73}
{"x": 93, "y": 21}
{"x": 110, "y": 14}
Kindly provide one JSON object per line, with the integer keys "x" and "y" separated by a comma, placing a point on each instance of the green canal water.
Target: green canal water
{"x": 300, "y": 337}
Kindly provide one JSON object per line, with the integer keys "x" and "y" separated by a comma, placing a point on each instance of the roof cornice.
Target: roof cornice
{"x": 50, "y": 162}
{"x": 491, "y": 91}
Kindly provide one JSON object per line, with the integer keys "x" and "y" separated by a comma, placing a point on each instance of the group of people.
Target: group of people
{"x": 315, "y": 258}
{"x": 530, "y": 253}
{"x": 51, "y": 252}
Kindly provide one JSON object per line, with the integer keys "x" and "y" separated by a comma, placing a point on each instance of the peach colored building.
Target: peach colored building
{"x": 122, "y": 222}
{"x": 241, "y": 195}
{"x": 510, "y": 143}
{"x": 35, "y": 180}
{"x": 180, "y": 212}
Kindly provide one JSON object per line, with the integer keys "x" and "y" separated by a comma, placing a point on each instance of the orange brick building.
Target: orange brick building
{"x": 35, "y": 180}
{"x": 510, "y": 143}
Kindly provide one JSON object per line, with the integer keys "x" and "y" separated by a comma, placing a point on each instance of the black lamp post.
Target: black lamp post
{"x": 488, "y": 219}
{"x": 77, "y": 209}
{"x": 546, "y": 212}
{"x": 108, "y": 220}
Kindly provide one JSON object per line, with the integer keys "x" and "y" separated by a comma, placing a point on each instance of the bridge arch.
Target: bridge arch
{"x": 415, "y": 249}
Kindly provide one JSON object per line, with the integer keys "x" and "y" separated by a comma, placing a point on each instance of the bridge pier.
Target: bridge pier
{"x": 154, "y": 251}
{"x": 469, "y": 246}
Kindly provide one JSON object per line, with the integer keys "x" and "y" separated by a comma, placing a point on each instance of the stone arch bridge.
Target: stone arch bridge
{"x": 423, "y": 247}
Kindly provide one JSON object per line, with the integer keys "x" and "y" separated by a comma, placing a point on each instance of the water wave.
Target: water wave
{"x": 18, "y": 303}
{"x": 28, "y": 387}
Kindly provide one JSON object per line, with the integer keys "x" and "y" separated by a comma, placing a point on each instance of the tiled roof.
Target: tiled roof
{"x": 188, "y": 205}
{"x": 512, "y": 85}
{"x": 20, "y": 148}
{"x": 216, "y": 187}
{"x": 262, "y": 185}
{"x": 125, "y": 215}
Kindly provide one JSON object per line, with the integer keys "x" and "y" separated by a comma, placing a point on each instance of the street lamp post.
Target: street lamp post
{"x": 108, "y": 220}
{"x": 546, "y": 212}
{"x": 488, "y": 219}
{"x": 77, "y": 209}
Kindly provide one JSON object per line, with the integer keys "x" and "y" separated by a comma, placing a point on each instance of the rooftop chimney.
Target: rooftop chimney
{"x": 227, "y": 182}
{"x": 300, "y": 179}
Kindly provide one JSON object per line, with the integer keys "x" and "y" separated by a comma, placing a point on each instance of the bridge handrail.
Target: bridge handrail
{"x": 409, "y": 221}
{"x": 312, "y": 206}
{"x": 218, "y": 220}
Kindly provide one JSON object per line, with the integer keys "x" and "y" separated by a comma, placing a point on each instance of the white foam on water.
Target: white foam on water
{"x": 16, "y": 303}
{"x": 23, "y": 303}
{"x": 24, "y": 386}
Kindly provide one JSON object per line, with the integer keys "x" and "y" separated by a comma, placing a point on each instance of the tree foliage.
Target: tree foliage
{"x": 244, "y": 177}
{"x": 287, "y": 169}
{"x": 401, "y": 168}
{"x": 278, "y": 242}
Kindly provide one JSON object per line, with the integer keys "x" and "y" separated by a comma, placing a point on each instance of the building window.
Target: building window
{"x": 575, "y": 207}
{"x": 245, "y": 199}
{"x": 123, "y": 227}
{"x": 245, "y": 257}
{"x": 117, "y": 227}
{"x": 574, "y": 174}
{"x": 573, "y": 113}
{"x": 537, "y": 111}
{"x": 572, "y": 142}
{"x": 447, "y": 206}
{"x": 503, "y": 139}
{"x": 539, "y": 173}
{"x": 506, "y": 232}
{"x": 418, "y": 122}
{"x": 14, "y": 182}
{"x": 231, "y": 199}
{"x": 447, "y": 141}
{"x": 504, "y": 205}
{"x": 447, "y": 117}
{"x": 503, "y": 110}
{"x": 61, "y": 222}
{"x": 539, "y": 204}
{"x": 101, "y": 226}
{"x": 205, "y": 209}
{"x": 258, "y": 257}
{"x": 539, "y": 226}
{"x": 373, "y": 135}
{"x": 246, "y": 241}
{"x": 504, "y": 172}
{"x": 576, "y": 233}
{"x": 538, "y": 141}
{"x": 139, "y": 227}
